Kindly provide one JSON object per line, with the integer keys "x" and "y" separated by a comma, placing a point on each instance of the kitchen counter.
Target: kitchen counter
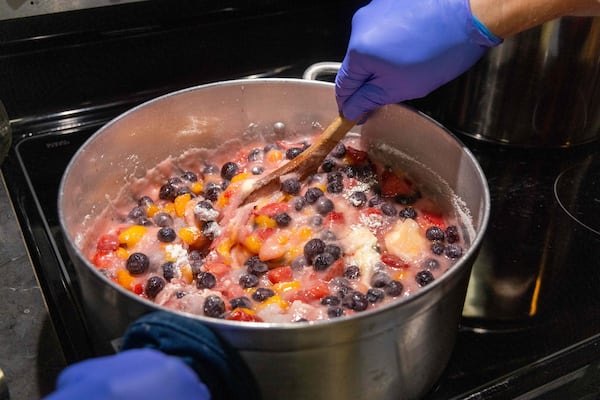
{"x": 30, "y": 355}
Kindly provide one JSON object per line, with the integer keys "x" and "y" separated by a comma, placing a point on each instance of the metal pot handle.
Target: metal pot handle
{"x": 321, "y": 68}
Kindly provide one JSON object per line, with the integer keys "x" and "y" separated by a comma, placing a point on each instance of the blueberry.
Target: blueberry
{"x": 324, "y": 205}
{"x": 299, "y": 263}
{"x": 366, "y": 173}
{"x": 339, "y": 150}
{"x": 375, "y": 201}
{"x": 291, "y": 186}
{"x": 334, "y": 312}
{"x": 335, "y": 187}
{"x": 328, "y": 165}
{"x": 298, "y": 203}
{"x": 153, "y": 286}
{"x": 229, "y": 170}
{"x": 206, "y": 280}
{"x": 136, "y": 213}
{"x": 380, "y": 279}
{"x": 352, "y": 272}
{"x": 270, "y": 146}
{"x": 137, "y": 263}
{"x": 452, "y": 234}
{"x": 341, "y": 286}
{"x": 375, "y": 295}
{"x": 335, "y": 177}
{"x": 408, "y": 212}
{"x": 168, "y": 269}
{"x": 195, "y": 255}
{"x": 431, "y": 263}
{"x": 453, "y": 251}
{"x": 434, "y": 233}
{"x": 316, "y": 220}
{"x": 256, "y": 154}
{"x": 257, "y": 170}
{"x": 248, "y": 281}
{"x": 437, "y": 248}
{"x": 293, "y": 152}
{"x": 261, "y": 294}
{"x": 180, "y": 295}
{"x": 210, "y": 169}
{"x": 240, "y": 302}
{"x": 350, "y": 171}
{"x": 424, "y": 277}
{"x": 163, "y": 219}
{"x": 174, "y": 181}
{"x": 405, "y": 199}
{"x": 388, "y": 209}
{"x": 356, "y": 301}
{"x": 145, "y": 201}
{"x": 212, "y": 191}
{"x": 328, "y": 235}
{"x": 211, "y": 229}
{"x": 323, "y": 261}
{"x": 167, "y": 192}
{"x": 331, "y": 301}
{"x": 190, "y": 176}
{"x": 312, "y": 194}
{"x": 214, "y": 306}
{"x": 166, "y": 234}
{"x": 282, "y": 219}
{"x": 394, "y": 288}
{"x": 184, "y": 190}
{"x": 255, "y": 266}
{"x": 312, "y": 248}
{"x": 357, "y": 198}
{"x": 334, "y": 250}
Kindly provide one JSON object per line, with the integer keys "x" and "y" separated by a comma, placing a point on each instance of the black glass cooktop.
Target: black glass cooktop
{"x": 531, "y": 325}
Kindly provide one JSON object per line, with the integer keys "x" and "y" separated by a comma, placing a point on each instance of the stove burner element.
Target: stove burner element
{"x": 578, "y": 192}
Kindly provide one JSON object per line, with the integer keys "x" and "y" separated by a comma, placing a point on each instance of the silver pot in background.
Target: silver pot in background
{"x": 539, "y": 88}
{"x": 395, "y": 352}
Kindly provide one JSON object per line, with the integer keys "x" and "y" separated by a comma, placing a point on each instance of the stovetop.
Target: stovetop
{"x": 531, "y": 322}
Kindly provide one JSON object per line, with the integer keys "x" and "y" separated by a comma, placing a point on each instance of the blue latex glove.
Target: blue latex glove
{"x": 404, "y": 49}
{"x": 141, "y": 374}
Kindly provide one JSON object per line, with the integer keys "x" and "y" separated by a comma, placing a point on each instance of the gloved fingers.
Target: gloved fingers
{"x": 135, "y": 374}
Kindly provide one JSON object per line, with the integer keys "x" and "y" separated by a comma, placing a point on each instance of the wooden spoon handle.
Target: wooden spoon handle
{"x": 305, "y": 163}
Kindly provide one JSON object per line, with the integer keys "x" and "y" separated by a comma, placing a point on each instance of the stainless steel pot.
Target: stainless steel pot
{"x": 540, "y": 88}
{"x": 395, "y": 352}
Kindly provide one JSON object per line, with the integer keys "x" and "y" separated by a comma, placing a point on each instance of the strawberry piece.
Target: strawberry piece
{"x": 355, "y": 156}
{"x": 273, "y": 209}
{"x": 108, "y": 242}
{"x": 393, "y": 185}
{"x": 333, "y": 218}
{"x": 393, "y": 261}
{"x": 433, "y": 218}
{"x": 240, "y": 314}
{"x": 280, "y": 274}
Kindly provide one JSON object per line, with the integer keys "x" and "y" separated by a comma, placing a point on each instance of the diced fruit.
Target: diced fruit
{"x": 180, "y": 203}
{"x": 131, "y": 236}
{"x": 281, "y": 274}
{"x": 393, "y": 185}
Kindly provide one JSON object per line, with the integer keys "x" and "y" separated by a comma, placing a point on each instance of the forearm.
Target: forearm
{"x": 508, "y": 17}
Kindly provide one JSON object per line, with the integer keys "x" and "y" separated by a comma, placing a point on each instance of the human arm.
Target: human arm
{"x": 404, "y": 49}
{"x": 509, "y": 17}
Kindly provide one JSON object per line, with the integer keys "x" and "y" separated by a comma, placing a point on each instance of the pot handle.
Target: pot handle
{"x": 321, "y": 68}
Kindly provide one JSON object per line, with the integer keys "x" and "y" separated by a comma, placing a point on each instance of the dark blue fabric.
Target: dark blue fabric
{"x": 216, "y": 362}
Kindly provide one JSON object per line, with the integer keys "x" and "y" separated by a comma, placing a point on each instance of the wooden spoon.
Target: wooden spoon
{"x": 305, "y": 163}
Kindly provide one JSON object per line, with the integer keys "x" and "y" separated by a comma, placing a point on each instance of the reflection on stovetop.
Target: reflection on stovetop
{"x": 531, "y": 323}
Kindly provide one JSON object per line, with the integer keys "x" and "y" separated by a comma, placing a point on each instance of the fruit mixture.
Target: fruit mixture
{"x": 354, "y": 236}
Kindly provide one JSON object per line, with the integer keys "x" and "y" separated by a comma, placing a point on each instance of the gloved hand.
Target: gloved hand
{"x": 140, "y": 374}
{"x": 404, "y": 49}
